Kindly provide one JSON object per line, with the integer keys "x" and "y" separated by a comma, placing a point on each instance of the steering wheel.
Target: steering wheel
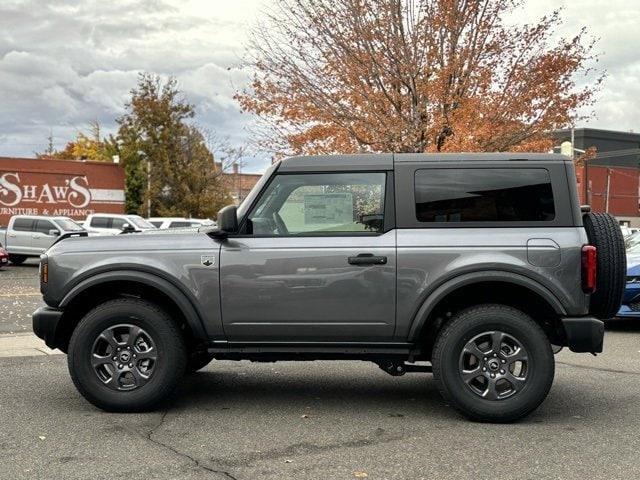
{"x": 280, "y": 226}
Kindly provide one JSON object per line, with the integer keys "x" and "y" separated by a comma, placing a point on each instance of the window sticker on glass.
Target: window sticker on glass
{"x": 328, "y": 208}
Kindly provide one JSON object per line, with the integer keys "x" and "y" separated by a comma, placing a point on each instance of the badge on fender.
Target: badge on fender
{"x": 207, "y": 260}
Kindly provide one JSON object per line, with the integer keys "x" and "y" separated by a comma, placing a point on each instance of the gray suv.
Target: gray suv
{"x": 475, "y": 267}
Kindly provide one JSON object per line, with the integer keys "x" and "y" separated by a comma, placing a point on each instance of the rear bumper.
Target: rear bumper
{"x": 45, "y": 324}
{"x": 584, "y": 334}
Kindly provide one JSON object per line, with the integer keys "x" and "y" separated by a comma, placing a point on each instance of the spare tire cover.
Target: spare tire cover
{"x": 604, "y": 233}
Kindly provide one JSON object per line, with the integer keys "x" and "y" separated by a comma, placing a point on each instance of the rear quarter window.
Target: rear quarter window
{"x": 462, "y": 195}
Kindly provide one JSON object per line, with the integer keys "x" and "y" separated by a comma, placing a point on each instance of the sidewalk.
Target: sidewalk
{"x": 23, "y": 345}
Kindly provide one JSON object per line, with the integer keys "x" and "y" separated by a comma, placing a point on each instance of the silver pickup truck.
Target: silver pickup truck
{"x": 31, "y": 235}
{"x": 475, "y": 267}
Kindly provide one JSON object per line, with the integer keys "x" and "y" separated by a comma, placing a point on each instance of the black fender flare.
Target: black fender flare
{"x": 173, "y": 292}
{"x": 421, "y": 318}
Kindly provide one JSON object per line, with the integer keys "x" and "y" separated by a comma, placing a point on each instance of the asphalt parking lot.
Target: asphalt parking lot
{"x": 317, "y": 420}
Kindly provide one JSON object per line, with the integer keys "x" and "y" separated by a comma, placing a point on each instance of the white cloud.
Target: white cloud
{"x": 65, "y": 63}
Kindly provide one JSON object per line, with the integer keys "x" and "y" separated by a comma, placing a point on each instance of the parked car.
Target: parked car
{"x": 115, "y": 224}
{"x": 4, "y": 257}
{"x": 164, "y": 223}
{"x": 471, "y": 266}
{"x": 630, "y": 307}
{"x": 31, "y": 235}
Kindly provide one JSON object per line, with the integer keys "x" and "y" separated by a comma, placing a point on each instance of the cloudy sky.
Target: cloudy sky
{"x": 64, "y": 63}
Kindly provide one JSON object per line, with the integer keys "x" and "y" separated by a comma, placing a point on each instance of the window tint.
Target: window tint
{"x": 100, "y": 222}
{"x": 24, "y": 224}
{"x": 320, "y": 204}
{"x": 43, "y": 226}
{"x": 484, "y": 195}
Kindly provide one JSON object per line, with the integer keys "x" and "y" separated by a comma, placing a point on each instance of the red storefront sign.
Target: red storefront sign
{"x": 59, "y": 188}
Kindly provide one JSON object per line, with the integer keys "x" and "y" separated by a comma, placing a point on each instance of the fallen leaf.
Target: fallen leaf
{"x": 41, "y": 437}
{"x": 360, "y": 474}
{"x": 287, "y": 461}
{"x": 304, "y": 416}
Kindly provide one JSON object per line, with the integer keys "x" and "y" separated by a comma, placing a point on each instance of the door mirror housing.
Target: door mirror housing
{"x": 54, "y": 233}
{"x": 128, "y": 228}
{"x": 228, "y": 219}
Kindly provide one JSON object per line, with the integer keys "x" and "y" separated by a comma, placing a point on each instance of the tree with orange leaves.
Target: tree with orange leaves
{"x": 340, "y": 76}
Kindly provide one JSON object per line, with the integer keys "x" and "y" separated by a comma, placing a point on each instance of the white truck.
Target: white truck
{"x": 115, "y": 224}
{"x": 31, "y": 235}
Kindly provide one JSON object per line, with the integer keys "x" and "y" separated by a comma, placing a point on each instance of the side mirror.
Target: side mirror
{"x": 128, "y": 228}
{"x": 228, "y": 219}
{"x": 54, "y": 233}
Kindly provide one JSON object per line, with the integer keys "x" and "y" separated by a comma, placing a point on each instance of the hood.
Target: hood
{"x": 149, "y": 241}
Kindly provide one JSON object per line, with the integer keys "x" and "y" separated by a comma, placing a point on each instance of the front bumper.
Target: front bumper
{"x": 584, "y": 334}
{"x": 45, "y": 324}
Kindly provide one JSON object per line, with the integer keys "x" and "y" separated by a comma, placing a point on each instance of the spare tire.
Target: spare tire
{"x": 604, "y": 233}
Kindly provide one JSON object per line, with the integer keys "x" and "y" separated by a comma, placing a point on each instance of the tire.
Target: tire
{"x": 604, "y": 233}
{"x": 469, "y": 327}
{"x": 198, "y": 361}
{"x": 158, "y": 334}
{"x": 17, "y": 259}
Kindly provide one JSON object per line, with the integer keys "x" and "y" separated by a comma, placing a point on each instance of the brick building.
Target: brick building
{"x": 610, "y": 182}
{"x": 73, "y": 189}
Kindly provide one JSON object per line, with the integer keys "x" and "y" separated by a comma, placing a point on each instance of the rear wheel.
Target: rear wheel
{"x": 493, "y": 363}
{"x": 17, "y": 259}
{"x": 126, "y": 356}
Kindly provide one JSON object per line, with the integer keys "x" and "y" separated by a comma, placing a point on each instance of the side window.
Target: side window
{"x": 156, "y": 223}
{"x": 100, "y": 222}
{"x": 484, "y": 195}
{"x": 119, "y": 222}
{"x": 24, "y": 224}
{"x": 321, "y": 204}
{"x": 43, "y": 226}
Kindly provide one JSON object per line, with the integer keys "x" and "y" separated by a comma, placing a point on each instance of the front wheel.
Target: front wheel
{"x": 126, "y": 355}
{"x": 493, "y": 363}
{"x": 17, "y": 259}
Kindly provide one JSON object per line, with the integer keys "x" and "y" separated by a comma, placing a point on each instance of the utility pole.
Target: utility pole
{"x": 148, "y": 188}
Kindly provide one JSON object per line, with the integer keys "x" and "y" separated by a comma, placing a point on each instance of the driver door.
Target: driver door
{"x": 315, "y": 262}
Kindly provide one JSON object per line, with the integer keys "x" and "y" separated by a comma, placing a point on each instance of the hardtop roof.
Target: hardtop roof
{"x": 385, "y": 161}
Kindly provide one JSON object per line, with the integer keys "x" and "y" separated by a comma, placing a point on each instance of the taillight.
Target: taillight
{"x": 589, "y": 267}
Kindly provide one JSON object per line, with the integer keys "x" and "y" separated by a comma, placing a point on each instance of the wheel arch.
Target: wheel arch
{"x": 115, "y": 284}
{"x": 483, "y": 287}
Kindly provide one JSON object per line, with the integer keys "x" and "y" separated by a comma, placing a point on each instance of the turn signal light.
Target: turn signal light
{"x": 44, "y": 272}
{"x": 589, "y": 267}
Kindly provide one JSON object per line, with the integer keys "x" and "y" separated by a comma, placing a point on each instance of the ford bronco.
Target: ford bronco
{"x": 475, "y": 267}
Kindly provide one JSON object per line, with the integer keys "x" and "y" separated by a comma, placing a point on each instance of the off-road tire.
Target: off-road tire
{"x": 604, "y": 233}
{"x": 169, "y": 342}
{"x": 464, "y": 327}
{"x": 17, "y": 259}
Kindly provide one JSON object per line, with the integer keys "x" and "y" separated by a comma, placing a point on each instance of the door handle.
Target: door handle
{"x": 367, "y": 259}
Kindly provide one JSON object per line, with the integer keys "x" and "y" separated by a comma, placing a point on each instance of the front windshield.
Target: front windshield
{"x": 140, "y": 222}
{"x": 68, "y": 225}
{"x": 248, "y": 200}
